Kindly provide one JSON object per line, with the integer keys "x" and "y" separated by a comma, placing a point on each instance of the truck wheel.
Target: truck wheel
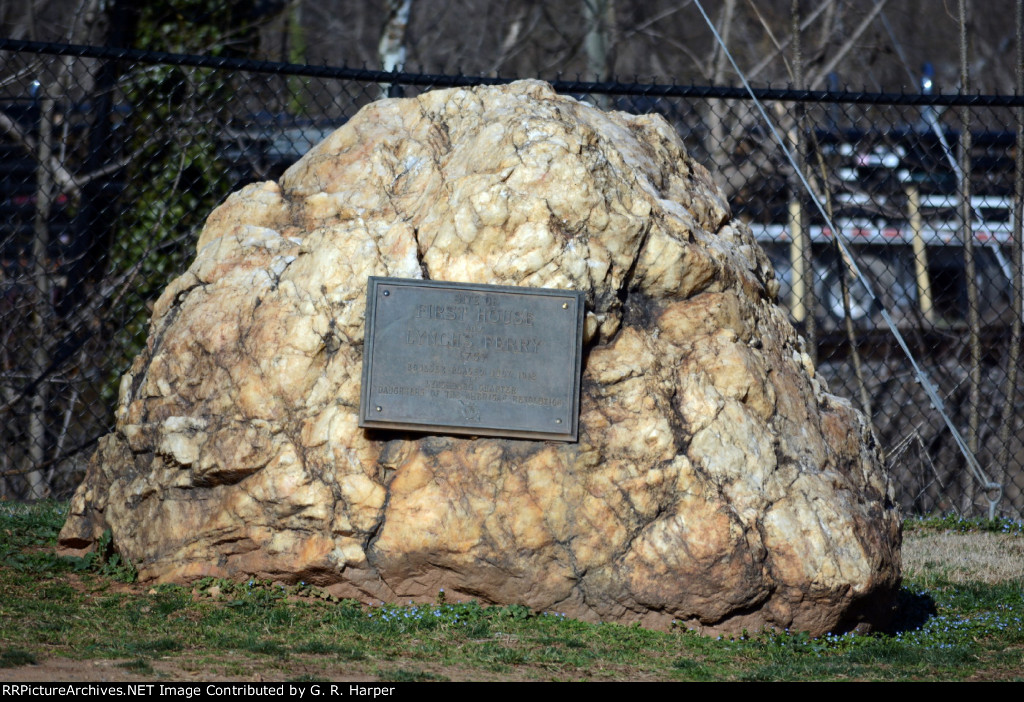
{"x": 889, "y": 282}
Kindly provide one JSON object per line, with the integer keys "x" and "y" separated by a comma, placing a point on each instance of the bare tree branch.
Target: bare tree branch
{"x": 515, "y": 38}
{"x": 780, "y": 47}
{"x": 815, "y": 80}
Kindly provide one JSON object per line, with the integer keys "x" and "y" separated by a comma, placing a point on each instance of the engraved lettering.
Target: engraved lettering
{"x": 446, "y": 313}
{"x": 507, "y": 317}
{"x": 511, "y": 344}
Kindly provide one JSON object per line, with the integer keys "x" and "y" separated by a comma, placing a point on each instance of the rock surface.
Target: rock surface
{"x": 715, "y": 480}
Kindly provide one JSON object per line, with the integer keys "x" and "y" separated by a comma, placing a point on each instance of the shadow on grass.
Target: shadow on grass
{"x": 912, "y": 610}
{"x": 14, "y": 657}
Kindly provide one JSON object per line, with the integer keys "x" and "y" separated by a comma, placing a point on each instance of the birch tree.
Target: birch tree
{"x": 391, "y": 48}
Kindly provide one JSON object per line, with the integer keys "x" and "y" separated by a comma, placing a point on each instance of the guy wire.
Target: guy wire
{"x": 847, "y": 256}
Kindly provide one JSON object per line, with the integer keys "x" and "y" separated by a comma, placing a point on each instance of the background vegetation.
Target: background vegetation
{"x": 878, "y": 45}
{"x": 109, "y": 167}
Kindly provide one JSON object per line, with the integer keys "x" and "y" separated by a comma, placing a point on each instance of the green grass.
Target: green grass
{"x": 952, "y": 522}
{"x": 54, "y": 607}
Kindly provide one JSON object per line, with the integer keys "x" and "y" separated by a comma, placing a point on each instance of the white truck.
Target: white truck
{"x": 899, "y": 213}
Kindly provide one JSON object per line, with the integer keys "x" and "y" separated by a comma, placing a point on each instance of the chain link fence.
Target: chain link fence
{"x": 110, "y": 161}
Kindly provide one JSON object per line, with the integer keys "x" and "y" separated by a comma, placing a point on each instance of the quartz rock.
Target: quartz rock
{"x": 715, "y": 482}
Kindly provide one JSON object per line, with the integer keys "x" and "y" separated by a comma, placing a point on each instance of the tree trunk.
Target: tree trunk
{"x": 391, "y": 49}
{"x": 1009, "y": 417}
{"x": 970, "y": 272}
{"x": 42, "y": 313}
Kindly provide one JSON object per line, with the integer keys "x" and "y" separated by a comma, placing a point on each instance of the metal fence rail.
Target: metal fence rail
{"x": 111, "y": 159}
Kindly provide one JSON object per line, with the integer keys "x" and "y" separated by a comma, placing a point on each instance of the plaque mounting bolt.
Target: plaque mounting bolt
{"x": 386, "y": 293}
{"x": 381, "y": 409}
{"x": 558, "y": 421}
{"x": 565, "y": 305}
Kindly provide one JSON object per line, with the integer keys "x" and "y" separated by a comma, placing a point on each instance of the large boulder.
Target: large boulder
{"x": 715, "y": 480}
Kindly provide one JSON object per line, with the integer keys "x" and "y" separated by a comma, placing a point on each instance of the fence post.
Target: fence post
{"x": 797, "y": 246}
{"x": 924, "y": 287}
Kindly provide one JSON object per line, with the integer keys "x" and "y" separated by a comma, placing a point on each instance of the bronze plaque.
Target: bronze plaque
{"x": 486, "y": 360}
